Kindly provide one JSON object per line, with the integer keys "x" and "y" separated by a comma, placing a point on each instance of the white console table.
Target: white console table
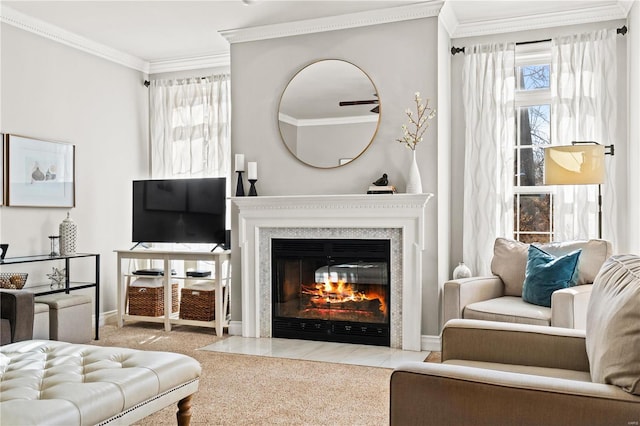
{"x": 220, "y": 276}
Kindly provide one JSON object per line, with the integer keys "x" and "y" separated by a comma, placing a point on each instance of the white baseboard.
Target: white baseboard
{"x": 110, "y": 317}
{"x": 431, "y": 343}
{"x": 235, "y": 328}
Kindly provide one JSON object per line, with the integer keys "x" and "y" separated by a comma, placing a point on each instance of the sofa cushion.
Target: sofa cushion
{"x": 508, "y": 309}
{"x": 547, "y": 273}
{"x": 613, "y": 324}
{"x": 509, "y": 260}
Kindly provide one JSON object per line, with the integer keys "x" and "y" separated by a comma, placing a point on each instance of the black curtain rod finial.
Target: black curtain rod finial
{"x": 146, "y": 83}
{"x": 622, "y": 30}
{"x": 455, "y": 50}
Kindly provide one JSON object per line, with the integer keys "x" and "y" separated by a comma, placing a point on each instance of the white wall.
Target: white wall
{"x": 633, "y": 159}
{"x": 51, "y": 91}
{"x": 400, "y": 58}
{"x": 458, "y": 123}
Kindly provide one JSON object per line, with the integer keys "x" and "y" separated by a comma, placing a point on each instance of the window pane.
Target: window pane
{"x": 534, "y": 125}
{"x": 534, "y": 213}
{"x": 534, "y": 238}
{"x": 531, "y": 171}
{"x": 532, "y": 77}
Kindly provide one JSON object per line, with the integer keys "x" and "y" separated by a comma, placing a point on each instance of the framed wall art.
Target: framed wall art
{"x": 2, "y": 170}
{"x": 40, "y": 173}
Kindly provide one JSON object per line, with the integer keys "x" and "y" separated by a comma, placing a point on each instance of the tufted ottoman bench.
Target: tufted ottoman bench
{"x": 59, "y": 383}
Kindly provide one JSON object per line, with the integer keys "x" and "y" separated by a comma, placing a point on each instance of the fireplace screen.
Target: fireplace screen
{"x": 334, "y": 290}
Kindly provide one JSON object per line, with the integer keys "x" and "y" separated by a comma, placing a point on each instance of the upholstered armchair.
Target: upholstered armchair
{"x": 16, "y": 312}
{"x": 499, "y": 297}
{"x": 496, "y": 373}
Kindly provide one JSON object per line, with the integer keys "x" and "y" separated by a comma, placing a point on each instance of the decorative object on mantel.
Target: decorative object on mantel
{"x": 381, "y": 186}
{"x": 252, "y": 174}
{"x": 57, "y": 277}
{"x": 3, "y": 252}
{"x": 55, "y": 245}
{"x": 13, "y": 280}
{"x": 387, "y": 189}
{"x": 411, "y": 138}
{"x": 383, "y": 181}
{"x": 461, "y": 271}
{"x": 68, "y": 235}
{"x": 239, "y": 170}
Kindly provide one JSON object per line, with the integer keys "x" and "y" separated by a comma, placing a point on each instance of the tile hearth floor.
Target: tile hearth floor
{"x": 342, "y": 353}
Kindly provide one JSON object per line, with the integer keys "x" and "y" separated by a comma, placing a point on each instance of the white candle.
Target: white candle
{"x": 253, "y": 170}
{"x": 239, "y": 162}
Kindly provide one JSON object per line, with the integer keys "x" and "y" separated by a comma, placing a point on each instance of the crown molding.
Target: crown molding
{"x": 333, "y": 23}
{"x": 27, "y": 23}
{"x": 448, "y": 18}
{"x": 538, "y": 21}
{"x": 220, "y": 59}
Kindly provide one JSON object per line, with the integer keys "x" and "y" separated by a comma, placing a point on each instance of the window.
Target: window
{"x": 533, "y": 202}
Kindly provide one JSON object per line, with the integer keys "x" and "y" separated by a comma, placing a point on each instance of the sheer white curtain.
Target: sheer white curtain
{"x": 583, "y": 90}
{"x": 191, "y": 127}
{"x": 488, "y": 91}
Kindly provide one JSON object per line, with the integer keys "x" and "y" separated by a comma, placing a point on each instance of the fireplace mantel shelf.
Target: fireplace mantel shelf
{"x": 332, "y": 201}
{"x": 265, "y": 217}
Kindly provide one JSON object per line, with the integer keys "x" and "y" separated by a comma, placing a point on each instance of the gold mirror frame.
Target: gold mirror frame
{"x": 307, "y": 88}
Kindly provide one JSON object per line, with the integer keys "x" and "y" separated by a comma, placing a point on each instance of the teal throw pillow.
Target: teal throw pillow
{"x": 547, "y": 273}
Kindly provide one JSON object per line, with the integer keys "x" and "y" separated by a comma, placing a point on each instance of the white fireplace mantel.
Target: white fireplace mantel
{"x": 324, "y": 213}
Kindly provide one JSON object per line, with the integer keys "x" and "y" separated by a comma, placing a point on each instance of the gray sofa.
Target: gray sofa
{"x": 496, "y": 373}
{"x": 499, "y": 297}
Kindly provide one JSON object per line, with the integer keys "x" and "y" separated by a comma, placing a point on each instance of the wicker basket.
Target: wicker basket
{"x": 14, "y": 280}
{"x": 149, "y": 301}
{"x": 198, "y": 304}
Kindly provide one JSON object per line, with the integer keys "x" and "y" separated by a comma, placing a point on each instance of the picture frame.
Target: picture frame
{"x": 2, "y": 170}
{"x": 40, "y": 173}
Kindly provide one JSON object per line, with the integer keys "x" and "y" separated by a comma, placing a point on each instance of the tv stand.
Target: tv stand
{"x": 220, "y": 276}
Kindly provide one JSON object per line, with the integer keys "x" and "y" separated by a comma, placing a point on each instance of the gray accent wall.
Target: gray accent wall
{"x": 400, "y": 58}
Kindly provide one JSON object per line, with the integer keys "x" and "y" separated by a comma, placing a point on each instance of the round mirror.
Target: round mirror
{"x": 329, "y": 113}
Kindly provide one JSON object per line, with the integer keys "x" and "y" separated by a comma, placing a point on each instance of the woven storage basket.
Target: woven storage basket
{"x": 198, "y": 304}
{"x": 14, "y": 280}
{"x": 149, "y": 301}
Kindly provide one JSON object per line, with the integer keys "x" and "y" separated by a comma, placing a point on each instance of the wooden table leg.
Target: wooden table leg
{"x": 184, "y": 411}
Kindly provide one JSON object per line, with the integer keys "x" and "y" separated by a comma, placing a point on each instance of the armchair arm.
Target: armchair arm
{"x": 519, "y": 344}
{"x": 441, "y": 394}
{"x": 17, "y": 307}
{"x": 569, "y": 307}
{"x": 462, "y": 292}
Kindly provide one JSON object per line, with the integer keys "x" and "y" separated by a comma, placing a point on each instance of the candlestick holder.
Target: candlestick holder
{"x": 252, "y": 189}
{"x": 240, "y": 186}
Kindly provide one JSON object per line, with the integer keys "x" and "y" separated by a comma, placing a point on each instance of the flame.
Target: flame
{"x": 340, "y": 292}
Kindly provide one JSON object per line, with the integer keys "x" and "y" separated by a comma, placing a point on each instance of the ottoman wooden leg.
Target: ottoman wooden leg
{"x": 184, "y": 411}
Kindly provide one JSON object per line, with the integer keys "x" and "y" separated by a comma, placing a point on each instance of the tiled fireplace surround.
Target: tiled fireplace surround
{"x": 398, "y": 218}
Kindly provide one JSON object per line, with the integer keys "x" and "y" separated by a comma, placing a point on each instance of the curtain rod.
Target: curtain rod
{"x": 622, "y": 30}
{"x": 147, "y": 83}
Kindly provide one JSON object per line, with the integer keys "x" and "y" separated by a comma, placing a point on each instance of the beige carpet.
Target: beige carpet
{"x": 251, "y": 390}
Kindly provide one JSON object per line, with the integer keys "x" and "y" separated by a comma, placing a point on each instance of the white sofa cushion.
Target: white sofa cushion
{"x": 508, "y": 309}
{"x": 613, "y": 324}
{"x": 509, "y": 260}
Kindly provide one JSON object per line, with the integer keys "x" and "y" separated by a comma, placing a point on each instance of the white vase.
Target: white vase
{"x": 461, "y": 271}
{"x": 68, "y": 235}
{"x": 414, "y": 183}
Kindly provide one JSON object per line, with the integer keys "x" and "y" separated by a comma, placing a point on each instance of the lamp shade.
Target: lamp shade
{"x": 574, "y": 165}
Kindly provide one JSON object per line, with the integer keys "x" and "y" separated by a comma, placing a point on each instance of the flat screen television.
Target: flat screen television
{"x": 180, "y": 211}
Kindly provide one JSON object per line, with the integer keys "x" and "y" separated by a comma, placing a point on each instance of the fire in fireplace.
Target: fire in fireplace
{"x": 331, "y": 290}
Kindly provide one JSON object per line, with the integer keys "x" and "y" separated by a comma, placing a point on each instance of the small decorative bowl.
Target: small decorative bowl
{"x": 13, "y": 280}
